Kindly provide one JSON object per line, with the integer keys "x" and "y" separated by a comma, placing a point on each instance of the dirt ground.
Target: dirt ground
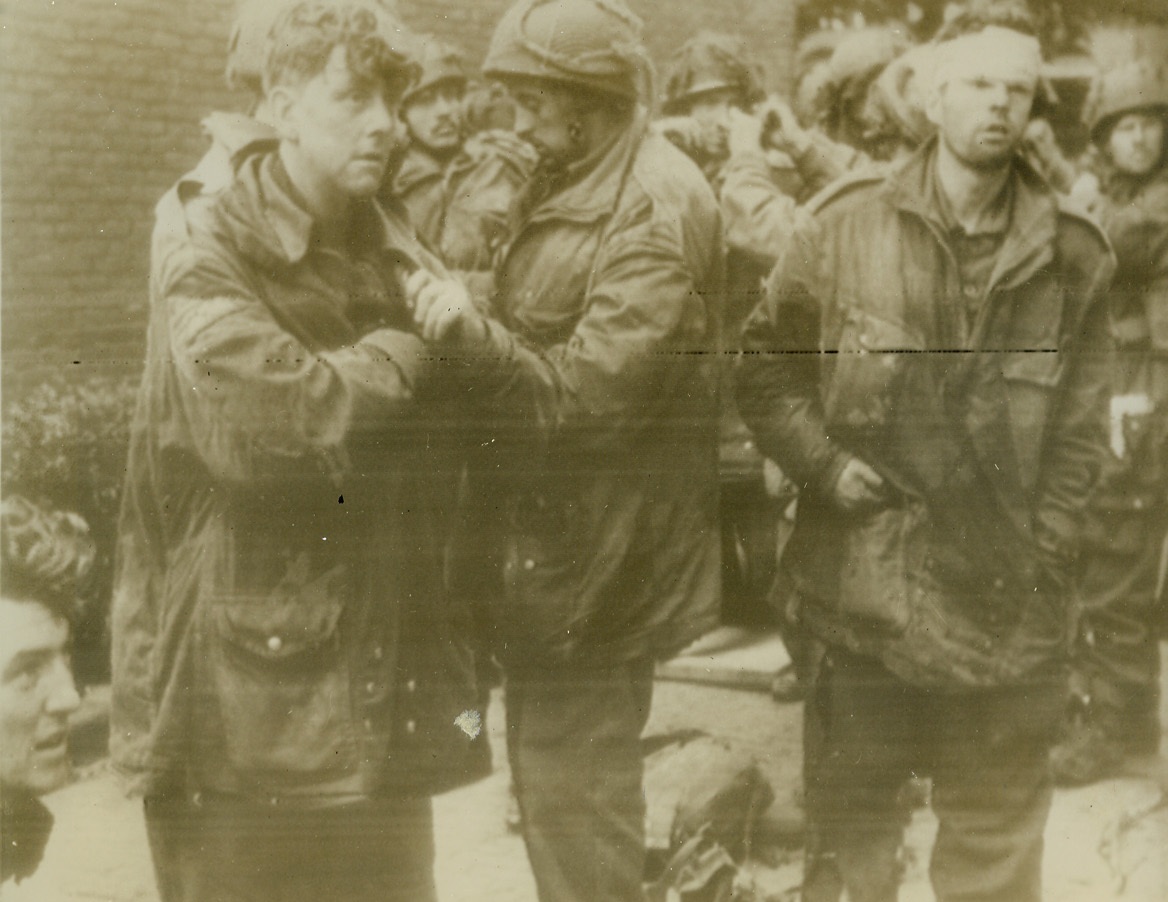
{"x": 98, "y": 850}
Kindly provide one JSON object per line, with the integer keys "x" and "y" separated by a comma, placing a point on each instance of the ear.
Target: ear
{"x": 283, "y": 107}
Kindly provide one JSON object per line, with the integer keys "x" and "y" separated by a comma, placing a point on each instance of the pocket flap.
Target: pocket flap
{"x": 277, "y": 628}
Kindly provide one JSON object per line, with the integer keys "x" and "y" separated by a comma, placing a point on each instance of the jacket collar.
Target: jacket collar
{"x": 234, "y": 136}
{"x": 416, "y": 167}
{"x": 1029, "y": 237}
{"x": 269, "y": 220}
{"x": 594, "y": 192}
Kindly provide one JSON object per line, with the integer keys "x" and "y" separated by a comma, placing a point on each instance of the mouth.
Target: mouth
{"x": 53, "y": 743}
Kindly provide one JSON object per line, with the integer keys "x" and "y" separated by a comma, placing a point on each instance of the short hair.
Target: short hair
{"x": 45, "y": 556}
{"x": 303, "y": 38}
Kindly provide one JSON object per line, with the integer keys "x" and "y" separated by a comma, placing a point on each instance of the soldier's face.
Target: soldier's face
{"x": 434, "y": 117}
{"x": 547, "y": 117}
{"x": 981, "y": 117}
{"x": 36, "y": 697}
{"x": 712, "y": 108}
{"x": 1136, "y": 143}
{"x": 340, "y": 128}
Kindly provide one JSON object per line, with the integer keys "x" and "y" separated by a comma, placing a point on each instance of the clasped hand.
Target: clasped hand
{"x": 443, "y": 309}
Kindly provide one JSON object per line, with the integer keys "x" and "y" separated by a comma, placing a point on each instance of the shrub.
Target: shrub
{"x": 65, "y": 447}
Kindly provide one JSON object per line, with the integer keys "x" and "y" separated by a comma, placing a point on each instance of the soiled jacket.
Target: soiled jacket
{"x": 1135, "y": 216}
{"x": 986, "y": 432}
{"x": 600, "y": 390}
{"x": 280, "y": 623}
{"x": 460, "y": 208}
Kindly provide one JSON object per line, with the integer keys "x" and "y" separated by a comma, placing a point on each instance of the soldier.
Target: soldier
{"x": 288, "y": 667}
{"x": 923, "y": 366}
{"x": 1116, "y": 663}
{"x": 593, "y": 374}
{"x": 457, "y": 189}
{"x": 44, "y": 557}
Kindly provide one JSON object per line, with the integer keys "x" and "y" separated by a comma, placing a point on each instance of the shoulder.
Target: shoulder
{"x": 854, "y": 189}
{"x": 670, "y": 180}
{"x": 1082, "y": 240}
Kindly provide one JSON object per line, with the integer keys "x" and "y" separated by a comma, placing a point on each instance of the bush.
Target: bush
{"x": 65, "y": 447}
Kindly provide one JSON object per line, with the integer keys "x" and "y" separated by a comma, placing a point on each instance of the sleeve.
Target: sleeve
{"x": 757, "y": 216}
{"x": 778, "y": 373}
{"x": 257, "y": 401}
{"x": 649, "y": 310}
{"x": 1077, "y": 437}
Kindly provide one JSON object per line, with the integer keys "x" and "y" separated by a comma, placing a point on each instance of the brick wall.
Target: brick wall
{"x": 100, "y": 102}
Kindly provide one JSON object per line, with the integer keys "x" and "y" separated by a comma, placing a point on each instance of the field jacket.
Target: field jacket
{"x": 281, "y": 628}
{"x": 599, "y": 392}
{"x": 986, "y": 430}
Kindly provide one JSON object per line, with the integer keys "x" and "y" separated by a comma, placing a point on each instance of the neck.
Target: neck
{"x": 330, "y": 209}
{"x": 970, "y": 191}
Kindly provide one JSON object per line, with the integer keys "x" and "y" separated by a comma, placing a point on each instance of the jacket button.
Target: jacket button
{"x": 368, "y": 725}
{"x": 529, "y": 564}
{"x": 275, "y": 643}
{"x": 999, "y": 584}
{"x": 371, "y": 687}
{"x": 411, "y": 727}
{"x": 378, "y": 653}
{"x": 411, "y": 685}
{"x": 970, "y": 291}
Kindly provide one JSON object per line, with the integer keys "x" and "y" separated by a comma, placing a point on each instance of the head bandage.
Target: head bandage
{"x": 996, "y": 53}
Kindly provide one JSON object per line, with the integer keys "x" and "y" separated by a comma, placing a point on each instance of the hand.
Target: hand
{"x": 858, "y": 486}
{"x": 781, "y": 129}
{"x": 443, "y": 309}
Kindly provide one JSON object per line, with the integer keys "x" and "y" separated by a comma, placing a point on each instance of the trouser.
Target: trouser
{"x": 867, "y": 732}
{"x": 1116, "y": 658}
{"x": 573, "y": 739}
{"x": 224, "y": 849}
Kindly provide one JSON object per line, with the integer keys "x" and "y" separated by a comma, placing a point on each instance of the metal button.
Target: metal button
{"x": 368, "y": 725}
{"x": 970, "y": 291}
{"x": 275, "y": 643}
{"x": 371, "y": 687}
{"x": 999, "y": 584}
{"x": 748, "y": 444}
{"x": 378, "y": 653}
{"x": 411, "y": 727}
{"x": 529, "y": 564}
{"x": 411, "y": 685}
{"x": 1138, "y": 504}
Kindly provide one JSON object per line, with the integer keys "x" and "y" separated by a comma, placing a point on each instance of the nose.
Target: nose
{"x": 62, "y": 697}
{"x": 447, "y": 106}
{"x": 380, "y": 116}
{"x": 999, "y": 95}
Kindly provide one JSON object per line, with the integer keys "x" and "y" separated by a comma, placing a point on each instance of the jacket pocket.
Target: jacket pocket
{"x": 280, "y": 683}
{"x": 541, "y": 610}
{"x": 870, "y": 360}
{"x": 1032, "y": 379}
{"x": 873, "y": 583}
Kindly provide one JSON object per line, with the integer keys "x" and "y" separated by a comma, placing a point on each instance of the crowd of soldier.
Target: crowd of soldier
{"x": 445, "y": 377}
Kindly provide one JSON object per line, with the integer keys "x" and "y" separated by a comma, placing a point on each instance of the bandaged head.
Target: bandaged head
{"x": 994, "y": 53}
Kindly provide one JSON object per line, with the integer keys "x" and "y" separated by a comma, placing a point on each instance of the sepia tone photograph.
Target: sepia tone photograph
{"x": 583, "y": 450}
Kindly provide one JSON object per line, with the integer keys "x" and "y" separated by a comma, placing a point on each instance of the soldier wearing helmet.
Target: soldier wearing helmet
{"x": 1115, "y": 665}
{"x": 457, "y": 189}
{"x": 591, "y": 372}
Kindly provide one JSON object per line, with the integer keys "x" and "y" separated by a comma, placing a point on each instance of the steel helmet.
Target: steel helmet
{"x": 441, "y": 63}
{"x": 1138, "y": 85}
{"x": 711, "y": 62}
{"x": 590, "y": 44}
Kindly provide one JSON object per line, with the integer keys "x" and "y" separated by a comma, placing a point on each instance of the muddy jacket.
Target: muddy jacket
{"x": 280, "y": 626}
{"x": 603, "y": 408}
{"x": 1135, "y": 216}
{"x": 460, "y": 208}
{"x": 985, "y": 429}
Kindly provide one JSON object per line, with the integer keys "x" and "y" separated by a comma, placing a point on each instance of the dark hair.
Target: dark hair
{"x": 978, "y": 15}
{"x": 44, "y": 555}
{"x": 304, "y": 37}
